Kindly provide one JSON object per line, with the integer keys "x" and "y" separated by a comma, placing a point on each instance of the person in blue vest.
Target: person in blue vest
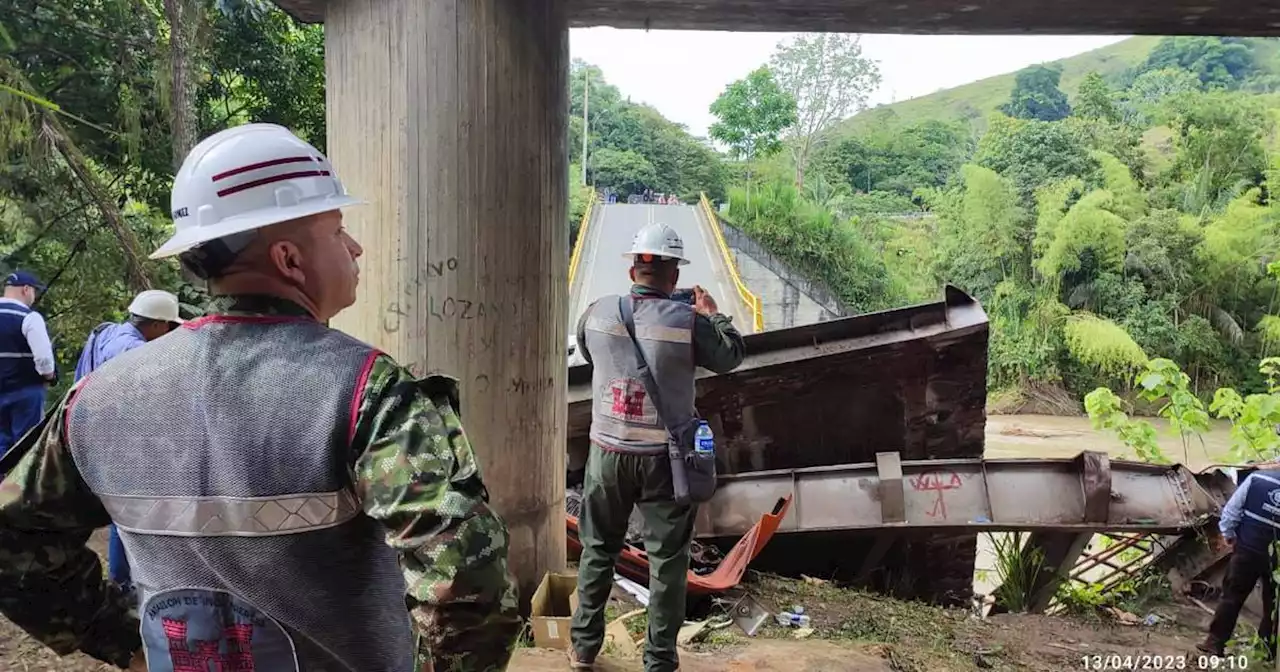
{"x": 26, "y": 358}
{"x": 1250, "y": 523}
{"x": 152, "y": 314}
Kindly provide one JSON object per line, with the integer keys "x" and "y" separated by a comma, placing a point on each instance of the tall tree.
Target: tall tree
{"x": 184, "y": 20}
{"x": 753, "y": 112}
{"x": 1036, "y": 95}
{"x": 1216, "y": 61}
{"x": 1095, "y": 100}
{"x": 829, "y": 79}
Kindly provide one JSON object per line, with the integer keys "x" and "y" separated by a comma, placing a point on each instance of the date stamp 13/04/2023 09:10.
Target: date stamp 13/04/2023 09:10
{"x": 1167, "y": 662}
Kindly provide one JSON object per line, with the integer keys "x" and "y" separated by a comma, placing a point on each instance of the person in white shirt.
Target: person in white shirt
{"x": 26, "y": 358}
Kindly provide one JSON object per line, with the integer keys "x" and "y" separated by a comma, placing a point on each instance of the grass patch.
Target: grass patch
{"x": 913, "y": 636}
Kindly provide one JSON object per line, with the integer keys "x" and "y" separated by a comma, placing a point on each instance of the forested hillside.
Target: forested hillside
{"x": 972, "y": 102}
{"x": 1123, "y": 218}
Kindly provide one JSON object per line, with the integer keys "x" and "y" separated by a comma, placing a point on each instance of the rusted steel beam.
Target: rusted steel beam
{"x": 910, "y": 380}
{"x": 1103, "y": 557}
{"x": 969, "y": 495}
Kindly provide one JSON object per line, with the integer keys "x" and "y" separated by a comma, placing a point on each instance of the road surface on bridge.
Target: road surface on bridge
{"x": 603, "y": 268}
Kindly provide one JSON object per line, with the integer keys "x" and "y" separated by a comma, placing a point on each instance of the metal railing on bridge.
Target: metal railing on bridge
{"x": 751, "y": 301}
{"x": 576, "y": 256}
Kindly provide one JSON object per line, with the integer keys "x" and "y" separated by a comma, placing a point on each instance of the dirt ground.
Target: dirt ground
{"x": 861, "y": 632}
{"x": 853, "y": 631}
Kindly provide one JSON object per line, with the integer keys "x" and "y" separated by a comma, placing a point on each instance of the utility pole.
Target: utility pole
{"x": 586, "y": 127}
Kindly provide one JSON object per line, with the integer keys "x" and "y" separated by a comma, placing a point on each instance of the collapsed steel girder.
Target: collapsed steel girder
{"x": 911, "y": 380}
{"x": 1090, "y": 492}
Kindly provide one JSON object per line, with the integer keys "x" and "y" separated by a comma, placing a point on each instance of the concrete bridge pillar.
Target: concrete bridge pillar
{"x": 450, "y": 118}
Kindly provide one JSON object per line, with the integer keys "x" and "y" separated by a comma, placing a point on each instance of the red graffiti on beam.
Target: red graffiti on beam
{"x": 939, "y": 482}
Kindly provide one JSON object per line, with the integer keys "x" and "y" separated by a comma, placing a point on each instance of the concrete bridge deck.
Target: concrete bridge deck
{"x": 603, "y": 269}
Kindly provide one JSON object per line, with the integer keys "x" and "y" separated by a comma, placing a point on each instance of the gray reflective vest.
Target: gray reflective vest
{"x": 623, "y": 418}
{"x": 222, "y": 453}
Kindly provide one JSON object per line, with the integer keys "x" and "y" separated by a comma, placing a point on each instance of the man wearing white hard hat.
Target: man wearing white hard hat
{"x": 649, "y": 450}
{"x": 290, "y": 498}
{"x": 152, "y": 314}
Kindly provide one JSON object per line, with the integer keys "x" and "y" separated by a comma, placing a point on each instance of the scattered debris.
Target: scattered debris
{"x": 802, "y": 633}
{"x": 813, "y": 581}
{"x": 617, "y": 638}
{"x": 794, "y": 618}
{"x": 641, "y": 593}
{"x": 1123, "y": 617}
{"x": 1202, "y": 605}
{"x": 747, "y": 613}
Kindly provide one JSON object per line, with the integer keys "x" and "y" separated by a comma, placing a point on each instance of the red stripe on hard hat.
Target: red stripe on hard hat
{"x": 274, "y": 178}
{"x": 263, "y": 164}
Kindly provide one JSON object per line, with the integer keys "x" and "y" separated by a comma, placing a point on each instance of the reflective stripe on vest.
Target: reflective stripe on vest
{"x": 17, "y": 363}
{"x": 623, "y": 418}
{"x": 222, "y": 453}
{"x": 231, "y": 516}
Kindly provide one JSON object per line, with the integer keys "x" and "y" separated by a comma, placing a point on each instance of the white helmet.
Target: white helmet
{"x": 658, "y": 240}
{"x": 156, "y": 304}
{"x": 245, "y": 178}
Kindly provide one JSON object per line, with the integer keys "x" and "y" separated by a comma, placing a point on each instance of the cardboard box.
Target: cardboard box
{"x": 552, "y": 609}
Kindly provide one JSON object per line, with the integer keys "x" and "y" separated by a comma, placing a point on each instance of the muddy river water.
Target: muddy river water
{"x": 1057, "y": 436}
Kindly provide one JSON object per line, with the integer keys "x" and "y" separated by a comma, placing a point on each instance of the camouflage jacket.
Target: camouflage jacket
{"x": 411, "y": 466}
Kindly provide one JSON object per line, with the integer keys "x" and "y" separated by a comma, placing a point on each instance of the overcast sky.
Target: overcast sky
{"x": 682, "y": 72}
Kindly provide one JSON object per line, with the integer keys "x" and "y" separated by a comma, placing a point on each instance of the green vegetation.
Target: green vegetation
{"x": 1128, "y": 224}
{"x": 631, "y": 147}
{"x": 1136, "y": 228}
{"x": 753, "y": 112}
{"x": 91, "y": 124}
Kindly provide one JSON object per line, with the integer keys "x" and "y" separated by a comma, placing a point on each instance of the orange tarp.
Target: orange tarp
{"x": 634, "y": 564}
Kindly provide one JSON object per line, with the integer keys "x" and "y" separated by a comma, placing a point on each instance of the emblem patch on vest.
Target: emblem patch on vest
{"x": 626, "y": 400}
{"x": 197, "y": 630}
{"x": 1274, "y": 507}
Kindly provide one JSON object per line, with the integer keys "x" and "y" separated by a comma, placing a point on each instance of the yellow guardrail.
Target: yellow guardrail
{"x": 751, "y": 300}
{"x": 576, "y": 256}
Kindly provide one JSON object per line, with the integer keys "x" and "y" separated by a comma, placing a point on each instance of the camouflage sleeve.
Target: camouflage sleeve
{"x": 51, "y": 583}
{"x": 717, "y": 344}
{"x": 415, "y": 472}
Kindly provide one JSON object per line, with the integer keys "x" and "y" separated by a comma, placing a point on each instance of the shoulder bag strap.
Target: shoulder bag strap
{"x": 627, "y": 308}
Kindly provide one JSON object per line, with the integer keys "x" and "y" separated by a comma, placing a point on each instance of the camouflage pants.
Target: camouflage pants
{"x": 614, "y": 483}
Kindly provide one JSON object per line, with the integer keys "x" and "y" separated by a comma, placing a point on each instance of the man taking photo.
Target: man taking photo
{"x": 628, "y": 464}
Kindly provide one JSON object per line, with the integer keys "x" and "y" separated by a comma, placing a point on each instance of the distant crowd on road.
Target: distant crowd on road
{"x": 610, "y": 195}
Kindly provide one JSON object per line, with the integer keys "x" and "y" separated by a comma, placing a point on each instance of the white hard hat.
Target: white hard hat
{"x": 658, "y": 240}
{"x": 156, "y": 304}
{"x": 245, "y": 178}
